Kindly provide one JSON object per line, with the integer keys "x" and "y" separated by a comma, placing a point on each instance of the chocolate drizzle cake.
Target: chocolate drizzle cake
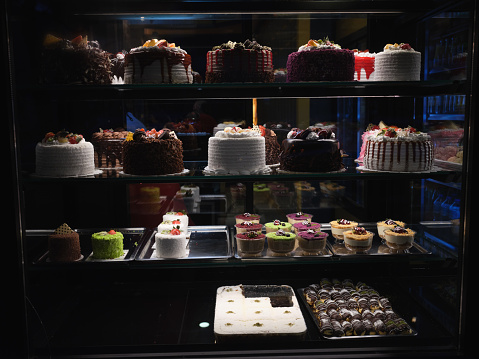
{"x": 108, "y": 147}
{"x": 310, "y": 150}
{"x": 152, "y": 153}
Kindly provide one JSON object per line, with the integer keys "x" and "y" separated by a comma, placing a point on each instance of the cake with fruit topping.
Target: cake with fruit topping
{"x": 299, "y": 217}
{"x": 249, "y": 217}
{"x": 239, "y": 62}
{"x": 108, "y": 147}
{"x": 339, "y": 226}
{"x": 281, "y": 241}
{"x": 152, "y": 153}
{"x": 393, "y": 149}
{"x": 177, "y": 216}
{"x": 364, "y": 65}
{"x": 388, "y": 224}
{"x": 399, "y": 238}
{"x": 306, "y": 225}
{"x": 320, "y": 60}
{"x": 158, "y": 62}
{"x": 358, "y": 239}
{"x": 248, "y": 226}
{"x": 107, "y": 245}
{"x": 277, "y": 225}
{"x": 64, "y": 154}
{"x": 369, "y": 131}
{"x": 398, "y": 62}
{"x": 64, "y": 245}
{"x": 171, "y": 243}
{"x": 237, "y": 151}
{"x": 251, "y": 242}
{"x": 311, "y": 150}
{"x": 311, "y": 241}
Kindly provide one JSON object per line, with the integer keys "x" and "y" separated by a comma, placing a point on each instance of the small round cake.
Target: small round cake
{"x": 305, "y": 226}
{"x": 64, "y": 245}
{"x": 320, "y": 60}
{"x": 247, "y": 217}
{"x": 338, "y": 226}
{"x": 171, "y": 243}
{"x": 311, "y": 241}
{"x": 107, "y": 245}
{"x": 388, "y": 224}
{"x": 176, "y": 215}
{"x": 281, "y": 242}
{"x": 251, "y": 242}
{"x": 277, "y": 225}
{"x": 299, "y": 217}
{"x": 399, "y": 238}
{"x": 248, "y": 226}
{"x": 358, "y": 239}
{"x": 170, "y": 224}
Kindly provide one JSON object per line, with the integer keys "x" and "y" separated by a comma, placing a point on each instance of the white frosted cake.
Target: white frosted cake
{"x": 394, "y": 149}
{"x": 172, "y": 216}
{"x": 237, "y": 151}
{"x": 158, "y": 61}
{"x": 171, "y": 243}
{"x": 239, "y": 315}
{"x": 64, "y": 155}
{"x": 398, "y": 62}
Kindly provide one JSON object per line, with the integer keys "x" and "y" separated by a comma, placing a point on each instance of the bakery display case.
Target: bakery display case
{"x": 188, "y": 182}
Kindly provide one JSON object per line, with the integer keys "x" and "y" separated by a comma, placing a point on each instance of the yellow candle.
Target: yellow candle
{"x": 255, "y": 114}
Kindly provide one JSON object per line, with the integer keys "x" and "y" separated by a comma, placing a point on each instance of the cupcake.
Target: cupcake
{"x": 281, "y": 242}
{"x": 276, "y": 225}
{"x": 240, "y": 218}
{"x": 250, "y": 242}
{"x": 306, "y": 225}
{"x": 399, "y": 238}
{"x": 311, "y": 241}
{"x": 299, "y": 217}
{"x": 358, "y": 239}
{"x": 247, "y": 226}
{"x": 338, "y": 226}
{"x": 388, "y": 224}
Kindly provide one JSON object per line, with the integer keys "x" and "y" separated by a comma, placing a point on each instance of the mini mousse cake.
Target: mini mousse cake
{"x": 171, "y": 243}
{"x": 276, "y": 225}
{"x": 181, "y": 216}
{"x": 247, "y": 226}
{"x": 388, "y": 224}
{"x": 240, "y": 218}
{"x": 107, "y": 245}
{"x": 338, "y": 226}
{"x": 250, "y": 242}
{"x": 299, "y": 217}
{"x": 311, "y": 241}
{"x": 281, "y": 242}
{"x": 170, "y": 224}
{"x": 358, "y": 239}
{"x": 306, "y": 225}
{"x": 399, "y": 238}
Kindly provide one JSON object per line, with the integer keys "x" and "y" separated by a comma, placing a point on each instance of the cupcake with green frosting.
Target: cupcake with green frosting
{"x": 107, "y": 245}
{"x": 281, "y": 241}
{"x": 277, "y": 225}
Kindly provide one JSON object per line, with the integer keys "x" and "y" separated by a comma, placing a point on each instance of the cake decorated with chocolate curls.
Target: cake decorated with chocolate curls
{"x": 272, "y": 148}
{"x": 108, "y": 147}
{"x": 76, "y": 61}
{"x": 239, "y": 62}
{"x": 320, "y": 60}
{"x": 152, "y": 152}
{"x": 64, "y": 245}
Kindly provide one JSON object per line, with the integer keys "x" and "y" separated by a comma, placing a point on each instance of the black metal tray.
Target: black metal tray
{"x": 132, "y": 239}
{"x": 205, "y": 242}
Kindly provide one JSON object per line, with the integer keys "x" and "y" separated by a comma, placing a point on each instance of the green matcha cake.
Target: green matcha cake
{"x": 276, "y": 225}
{"x": 107, "y": 245}
{"x": 281, "y": 241}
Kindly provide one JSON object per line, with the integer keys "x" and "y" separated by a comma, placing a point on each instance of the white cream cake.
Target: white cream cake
{"x": 398, "y": 62}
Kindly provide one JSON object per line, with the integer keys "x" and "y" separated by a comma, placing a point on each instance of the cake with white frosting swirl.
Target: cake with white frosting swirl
{"x": 398, "y": 62}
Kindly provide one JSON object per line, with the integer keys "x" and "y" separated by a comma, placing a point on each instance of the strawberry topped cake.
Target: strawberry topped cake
{"x": 398, "y": 62}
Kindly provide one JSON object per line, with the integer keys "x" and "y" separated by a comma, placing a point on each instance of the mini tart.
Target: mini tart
{"x": 250, "y": 242}
{"x": 247, "y": 217}
{"x": 388, "y": 224}
{"x": 338, "y": 226}
{"x": 276, "y": 225}
{"x": 281, "y": 241}
{"x": 312, "y": 241}
{"x": 399, "y": 238}
{"x": 305, "y": 225}
{"x": 247, "y": 226}
{"x": 358, "y": 239}
{"x": 299, "y": 217}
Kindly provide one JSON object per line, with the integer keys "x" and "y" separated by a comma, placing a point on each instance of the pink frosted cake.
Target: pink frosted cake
{"x": 364, "y": 65}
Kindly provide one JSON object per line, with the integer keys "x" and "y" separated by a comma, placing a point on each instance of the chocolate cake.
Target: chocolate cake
{"x": 108, "y": 147}
{"x": 76, "y": 61}
{"x": 152, "y": 153}
{"x": 272, "y": 148}
{"x": 64, "y": 245}
{"x": 239, "y": 62}
{"x": 310, "y": 150}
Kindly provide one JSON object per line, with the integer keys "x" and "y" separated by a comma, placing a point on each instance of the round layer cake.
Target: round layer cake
{"x": 158, "y": 61}
{"x": 108, "y": 147}
{"x": 64, "y": 154}
{"x": 320, "y": 60}
{"x": 394, "y": 149}
{"x": 64, "y": 245}
{"x": 364, "y": 66}
{"x": 152, "y": 153}
{"x": 239, "y": 62}
{"x": 237, "y": 151}
{"x": 310, "y": 150}
{"x": 398, "y": 62}
{"x": 107, "y": 245}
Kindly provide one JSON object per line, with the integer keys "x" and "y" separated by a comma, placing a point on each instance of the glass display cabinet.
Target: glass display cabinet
{"x": 144, "y": 305}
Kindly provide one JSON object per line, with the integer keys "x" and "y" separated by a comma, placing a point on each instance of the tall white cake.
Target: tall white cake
{"x": 237, "y": 151}
{"x": 398, "y": 62}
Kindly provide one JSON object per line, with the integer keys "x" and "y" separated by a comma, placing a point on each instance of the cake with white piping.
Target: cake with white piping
{"x": 397, "y": 62}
